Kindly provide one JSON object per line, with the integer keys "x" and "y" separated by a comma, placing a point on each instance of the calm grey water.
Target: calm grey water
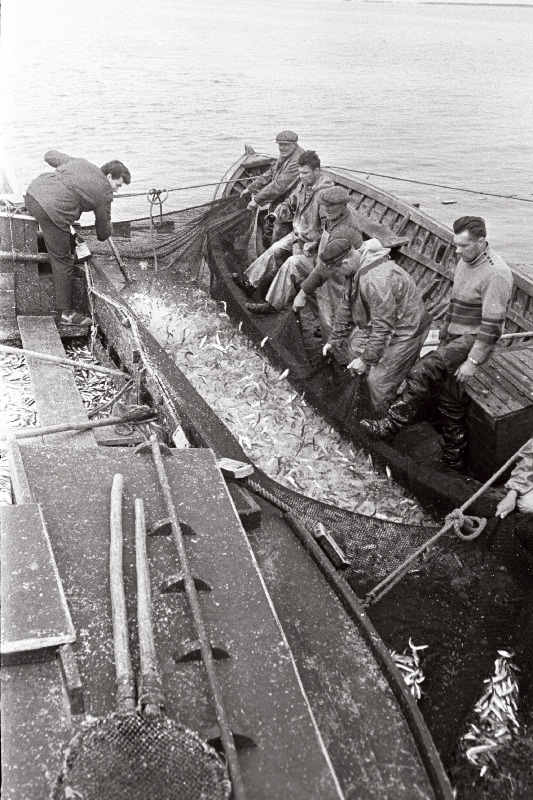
{"x": 174, "y": 88}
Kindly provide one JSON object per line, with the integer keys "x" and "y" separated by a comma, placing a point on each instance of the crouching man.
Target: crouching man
{"x": 381, "y": 322}
{"x": 472, "y": 326}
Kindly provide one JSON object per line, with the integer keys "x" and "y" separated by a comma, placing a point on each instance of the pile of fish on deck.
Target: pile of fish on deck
{"x": 17, "y": 403}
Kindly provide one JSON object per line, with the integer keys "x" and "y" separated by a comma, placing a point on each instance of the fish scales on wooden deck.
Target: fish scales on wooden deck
{"x": 261, "y": 687}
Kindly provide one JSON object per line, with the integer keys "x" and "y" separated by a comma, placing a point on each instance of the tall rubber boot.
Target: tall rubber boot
{"x": 426, "y": 374}
{"x": 453, "y": 405}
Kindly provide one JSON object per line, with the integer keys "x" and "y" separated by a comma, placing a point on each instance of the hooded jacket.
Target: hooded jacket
{"x": 75, "y": 186}
{"x": 383, "y": 298}
{"x": 303, "y": 208}
{"x": 278, "y": 180}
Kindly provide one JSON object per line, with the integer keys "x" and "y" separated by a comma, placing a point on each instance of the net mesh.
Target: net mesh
{"x": 126, "y": 757}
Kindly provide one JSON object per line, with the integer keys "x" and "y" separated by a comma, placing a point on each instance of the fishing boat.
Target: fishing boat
{"x": 315, "y": 703}
{"x": 500, "y": 415}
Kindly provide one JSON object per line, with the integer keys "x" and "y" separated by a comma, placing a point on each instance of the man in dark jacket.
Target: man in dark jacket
{"x": 57, "y": 200}
{"x": 275, "y": 184}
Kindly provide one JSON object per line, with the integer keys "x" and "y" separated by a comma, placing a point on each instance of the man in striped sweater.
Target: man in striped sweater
{"x": 473, "y": 324}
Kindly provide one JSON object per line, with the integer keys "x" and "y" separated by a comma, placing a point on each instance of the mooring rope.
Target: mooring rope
{"x": 438, "y": 185}
{"x": 455, "y": 520}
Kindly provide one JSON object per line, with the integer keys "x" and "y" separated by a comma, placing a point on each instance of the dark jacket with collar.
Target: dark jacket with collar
{"x": 75, "y": 186}
{"x": 344, "y": 227}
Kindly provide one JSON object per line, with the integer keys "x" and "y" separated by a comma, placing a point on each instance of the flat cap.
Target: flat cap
{"x": 335, "y": 250}
{"x": 287, "y": 136}
{"x": 336, "y": 194}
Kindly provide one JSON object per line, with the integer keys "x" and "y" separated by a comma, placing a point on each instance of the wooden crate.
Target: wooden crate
{"x": 500, "y": 415}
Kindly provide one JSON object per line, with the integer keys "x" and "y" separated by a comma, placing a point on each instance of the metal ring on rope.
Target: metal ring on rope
{"x": 466, "y": 527}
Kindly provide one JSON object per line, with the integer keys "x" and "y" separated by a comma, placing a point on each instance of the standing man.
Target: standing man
{"x": 302, "y": 208}
{"x": 275, "y": 184}
{"x": 482, "y": 288}
{"x": 57, "y": 199}
{"x": 381, "y": 322}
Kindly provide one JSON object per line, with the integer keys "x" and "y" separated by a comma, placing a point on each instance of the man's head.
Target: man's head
{"x": 309, "y": 167}
{"x": 339, "y": 255}
{"x": 334, "y": 201}
{"x": 117, "y": 174}
{"x": 287, "y": 142}
{"x": 470, "y": 237}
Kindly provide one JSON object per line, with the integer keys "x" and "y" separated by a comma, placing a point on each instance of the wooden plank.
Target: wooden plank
{"x": 56, "y": 395}
{"x": 373, "y": 229}
{"x": 520, "y": 380}
{"x": 34, "y": 615}
{"x": 36, "y": 727}
{"x": 522, "y": 359}
{"x": 525, "y": 324}
{"x": 264, "y": 696}
{"x": 489, "y": 394}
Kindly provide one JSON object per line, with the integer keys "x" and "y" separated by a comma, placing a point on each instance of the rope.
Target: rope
{"x": 438, "y": 185}
{"x": 185, "y": 188}
{"x": 453, "y": 520}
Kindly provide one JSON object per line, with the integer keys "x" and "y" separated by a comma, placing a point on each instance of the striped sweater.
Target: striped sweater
{"x": 480, "y": 295}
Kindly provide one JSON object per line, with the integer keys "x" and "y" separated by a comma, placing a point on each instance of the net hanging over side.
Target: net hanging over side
{"x": 177, "y": 238}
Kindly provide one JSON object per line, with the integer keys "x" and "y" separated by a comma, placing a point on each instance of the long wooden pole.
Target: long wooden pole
{"x": 132, "y": 419}
{"x": 123, "y": 668}
{"x": 67, "y": 362}
{"x": 18, "y": 255}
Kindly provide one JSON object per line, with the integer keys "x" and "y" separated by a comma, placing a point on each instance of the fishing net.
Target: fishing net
{"x": 126, "y": 757}
{"x": 175, "y": 238}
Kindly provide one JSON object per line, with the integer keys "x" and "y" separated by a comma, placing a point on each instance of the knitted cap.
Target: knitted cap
{"x": 335, "y": 250}
{"x": 287, "y": 136}
{"x": 336, "y": 194}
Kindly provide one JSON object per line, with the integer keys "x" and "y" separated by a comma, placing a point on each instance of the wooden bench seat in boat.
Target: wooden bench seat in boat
{"x": 35, "y": 619}
{"x": 374, "y": 230}
{"x": 500, "y": 416}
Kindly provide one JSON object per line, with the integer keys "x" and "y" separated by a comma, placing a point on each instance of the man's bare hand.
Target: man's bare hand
{"x": 245, "y": 192}
{"x": 507, "y": 505}
{"x": 299, "y": 301}
{"x": 252, "y": 204}
{"x": 327, "y": 347}
{"x": 358, "y": 365}
{"x": 466, "y": 371}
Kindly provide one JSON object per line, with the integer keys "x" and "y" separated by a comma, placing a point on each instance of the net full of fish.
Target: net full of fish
{"x": 408, "y": 664}
{"x": 276, "y": 428}
{"x": 494, "y": 717}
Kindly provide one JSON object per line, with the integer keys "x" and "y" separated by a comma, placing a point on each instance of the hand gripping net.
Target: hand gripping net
{"x": 127, "y": 757}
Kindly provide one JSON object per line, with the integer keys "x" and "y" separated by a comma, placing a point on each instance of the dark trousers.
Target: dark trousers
{"x": 57, "y": 243}
{"x": 436, "y": 372}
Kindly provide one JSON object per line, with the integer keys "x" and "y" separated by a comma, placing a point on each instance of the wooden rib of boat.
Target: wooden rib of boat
{"x": 355, "y": 729}
{"x": 500, "y": 417}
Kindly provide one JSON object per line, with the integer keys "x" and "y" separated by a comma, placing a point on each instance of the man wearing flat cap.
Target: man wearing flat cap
{"x": 381, "y": 322}
{"x": 325, "y": 281}
{"x": 338, "y": 223}
{"x": 303, "y": 210}
{"x": 275, "y": 184}
{"x": 473, "y": 324}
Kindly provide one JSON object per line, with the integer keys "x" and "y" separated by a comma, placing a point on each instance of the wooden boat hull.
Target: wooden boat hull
{"x": 425, "y": 249}
{"x": 377, "y": 742}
